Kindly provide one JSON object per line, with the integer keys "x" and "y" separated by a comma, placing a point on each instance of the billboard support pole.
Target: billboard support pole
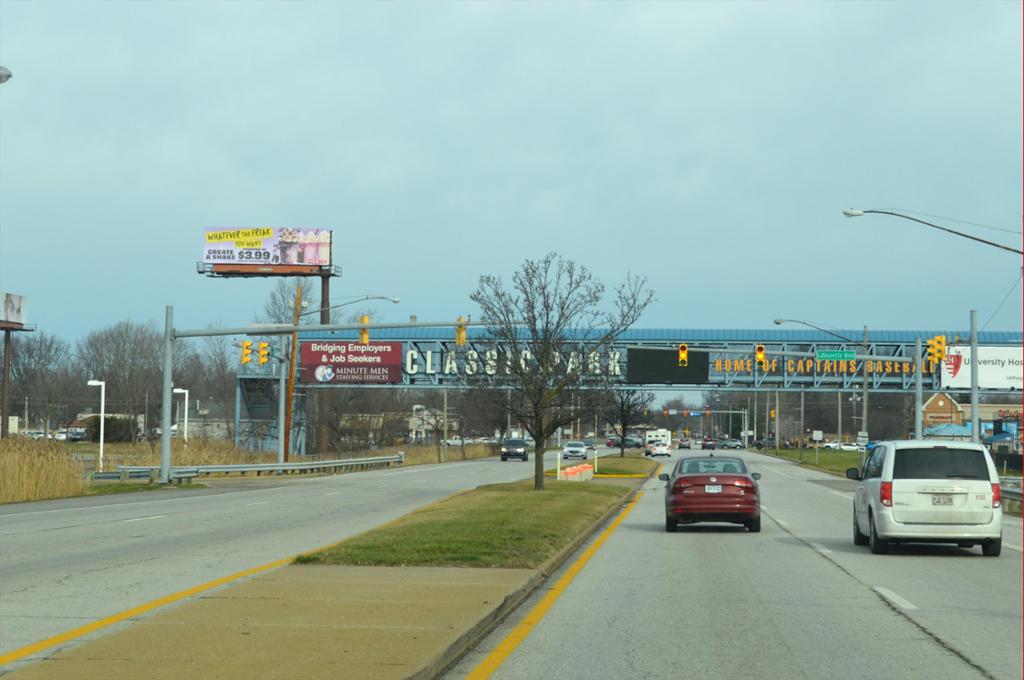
{"x": 165, "y": 403}
{"x": 323, "y": 397}
{"x": 975, "y": 416}
{"x": 5, "y": 399}
{"x": 291, "y": 378}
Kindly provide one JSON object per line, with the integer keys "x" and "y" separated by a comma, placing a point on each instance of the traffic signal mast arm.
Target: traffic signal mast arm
{"x": 793, "y": 353}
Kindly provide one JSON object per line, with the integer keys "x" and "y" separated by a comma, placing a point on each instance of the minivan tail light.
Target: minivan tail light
{"x": 997, "y": 496}
{"x": 885, "y": 494}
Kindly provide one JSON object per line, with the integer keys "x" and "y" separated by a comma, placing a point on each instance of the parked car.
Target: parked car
{"x": 574, "y": 449}
{"x": 845, "y": 446}
{"x": 712, "y": 489}
{"x": 830, "y": 445}
{"x": 730, "y": 444}
{"x": 658, "y": 449}
{"x": 928, "y": 492}
{"x": 612, "y": 442}
{"x": 515, "y": 448}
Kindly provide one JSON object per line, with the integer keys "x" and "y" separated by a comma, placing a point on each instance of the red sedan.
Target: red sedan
{"x": 712, "y": 489}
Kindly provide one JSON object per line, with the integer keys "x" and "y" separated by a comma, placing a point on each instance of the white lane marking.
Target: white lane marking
{"x": 383, "y": 486}
{"x": 820, "y": 548}
{"x": 333, "y": 493}
{"x": 782, "y": 522}
{"x": 257, "y": 503}
{"x": 894, "y": 598}
{"x": 777, "y": 471}
{"x": 1011, "y": 546}
{"x": 140, "y": 519}
{"x": 765, "y": 508}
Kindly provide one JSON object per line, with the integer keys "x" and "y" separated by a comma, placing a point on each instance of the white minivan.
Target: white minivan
{"x": 928, "y": 492}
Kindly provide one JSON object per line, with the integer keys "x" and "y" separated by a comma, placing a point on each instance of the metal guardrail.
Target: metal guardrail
{"x": 179, "y": 472}
{"x": 1010, "y": 494}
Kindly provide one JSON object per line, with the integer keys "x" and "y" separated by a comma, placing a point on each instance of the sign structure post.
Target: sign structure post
{"x": 816, "y": 436}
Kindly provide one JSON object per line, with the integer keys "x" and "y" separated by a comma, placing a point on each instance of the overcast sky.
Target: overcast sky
{"x": 709, "y": 147}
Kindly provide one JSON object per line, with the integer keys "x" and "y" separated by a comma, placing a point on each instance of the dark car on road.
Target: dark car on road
{"x": 708, "y": 444}
{"x": 515, "y": 448}
{"x": 712, "y": 489}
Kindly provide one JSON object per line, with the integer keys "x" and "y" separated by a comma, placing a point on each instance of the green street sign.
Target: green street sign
{"x": 835, "y": 355}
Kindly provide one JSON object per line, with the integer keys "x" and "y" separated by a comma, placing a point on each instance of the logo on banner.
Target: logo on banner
{"x": 954, "y": 361}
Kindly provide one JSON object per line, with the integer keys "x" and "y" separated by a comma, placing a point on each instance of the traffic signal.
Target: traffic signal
{"x": 364, "y": 332}
{"x": 771, "y": 413}
{"x": 460, "y": 331}
{"x": 937, "y": 349}
{"x": 264, "y": 353}
{"x": 246, "y": 351}
{"x": 759, "y": 356}
{"x": 683, "y": 354}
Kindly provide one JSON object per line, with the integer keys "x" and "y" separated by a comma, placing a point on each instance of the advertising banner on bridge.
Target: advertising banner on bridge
{"x": 343, "y": 362}
{"x": 267, "y": 246}
{"x": 999, "y": 368}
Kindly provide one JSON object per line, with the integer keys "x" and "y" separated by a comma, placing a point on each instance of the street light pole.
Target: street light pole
{"x": 103, "y": 413}
{"x": 850, "y": 212}
{"x": 180, "y": 390}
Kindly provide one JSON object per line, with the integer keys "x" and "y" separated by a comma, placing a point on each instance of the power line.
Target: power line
{"x": 953, "y": 219}
{"x": 1007, "y": 297}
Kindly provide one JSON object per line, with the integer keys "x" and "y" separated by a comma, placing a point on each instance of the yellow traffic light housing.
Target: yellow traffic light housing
{"x": 937, "y": 349}
{"x": 759, "y": 357}
{"x": 460, "y": 331}
{"x": 264, "y": 353}
{"x": 684, "y": 354}
{"x": 364, "y": 332}
{"x": 247, "y": 351}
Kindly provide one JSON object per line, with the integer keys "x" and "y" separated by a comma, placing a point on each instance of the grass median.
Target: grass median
{"x": 498, "y": 525}
{"x": 829, "y": 460}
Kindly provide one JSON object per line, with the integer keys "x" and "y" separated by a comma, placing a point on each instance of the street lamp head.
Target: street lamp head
{"x": 5, "y": 74}
{"x": 851, "y": 212}
{"x": 778, "y": 322}
{"x": 394, "y": 300}
{"x": 95, "y": 383}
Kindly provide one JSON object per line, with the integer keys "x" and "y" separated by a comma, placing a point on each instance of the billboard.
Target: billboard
{"x": 661, "y": 366}
{"x": 267, "y": 246}
{"x": 999, "y": 368}
{"x": 13, "y": 310}
{"x": 344, "y": 362}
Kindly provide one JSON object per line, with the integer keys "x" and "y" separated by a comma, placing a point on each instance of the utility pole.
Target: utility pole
{"x": 864, "y": 371}
{"x": 975, "y": 416}
{"x": 776, "y": 420}
{"x": 839, "y": 419}
{"x": 918, "y": 392}
{"x": 291, "y": 378}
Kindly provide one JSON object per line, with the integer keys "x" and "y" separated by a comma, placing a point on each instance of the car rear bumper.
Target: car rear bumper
{"x": 714, "y": 510}
{"x": 889, "y": 529}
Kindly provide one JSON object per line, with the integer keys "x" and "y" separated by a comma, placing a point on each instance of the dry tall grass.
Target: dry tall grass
{"x": 36, "y": 470}
{"x": 424, "y": 455}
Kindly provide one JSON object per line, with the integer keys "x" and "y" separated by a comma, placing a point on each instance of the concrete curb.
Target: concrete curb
{"x": 492, "y": 619}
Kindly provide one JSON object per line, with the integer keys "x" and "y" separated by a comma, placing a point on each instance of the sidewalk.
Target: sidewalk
{"x": 311, "y": 622}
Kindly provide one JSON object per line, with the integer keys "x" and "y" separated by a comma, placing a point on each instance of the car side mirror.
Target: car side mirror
{"x": 663, "y": 476}
{"x": 853, "y": 473}
{"x": 755, "y": 475}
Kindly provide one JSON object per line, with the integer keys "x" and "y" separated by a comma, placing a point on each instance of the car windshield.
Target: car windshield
{"x": 575, "y": 445}
{"x": 702, "y": 466}
{"x": 515, "y": 442}
{"x": 932, "y": 463}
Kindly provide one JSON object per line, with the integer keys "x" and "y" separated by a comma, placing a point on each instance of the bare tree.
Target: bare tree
{"x": 40, "y": 367}
{"x": 280, "y": 304}
{"x": 549, "y": 336}
{"x": 626, "y": 409}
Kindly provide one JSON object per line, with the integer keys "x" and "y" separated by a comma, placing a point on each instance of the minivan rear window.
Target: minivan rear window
{"x": 929, "y": 463}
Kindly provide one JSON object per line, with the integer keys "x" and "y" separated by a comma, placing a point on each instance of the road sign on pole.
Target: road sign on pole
{"x": 835, "y": 355}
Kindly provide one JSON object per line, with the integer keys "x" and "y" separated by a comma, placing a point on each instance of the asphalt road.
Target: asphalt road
{"x": 798, "y": 600}
{"x": 66, "y": 563}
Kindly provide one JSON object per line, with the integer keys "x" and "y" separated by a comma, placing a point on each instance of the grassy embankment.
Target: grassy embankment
{"x": 33, "y": 470}
{"x": 829, "y": 460}
{"x": 498, "y": 525}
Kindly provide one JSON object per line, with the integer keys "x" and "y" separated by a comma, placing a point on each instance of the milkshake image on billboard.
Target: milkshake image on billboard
{"x": 309, "y": 246}
{"x": 288, "y": 242}
{"x": 324, "y": 246}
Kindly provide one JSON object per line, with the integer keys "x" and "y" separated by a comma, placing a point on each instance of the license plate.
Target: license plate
{"x": 942, "y": 500}
{"x": 712, "y": 488}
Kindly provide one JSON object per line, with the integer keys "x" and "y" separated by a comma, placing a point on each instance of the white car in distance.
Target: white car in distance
{"x": 574, "y": 449}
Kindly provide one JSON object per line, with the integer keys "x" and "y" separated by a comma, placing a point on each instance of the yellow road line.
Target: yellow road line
{"x": 74, "y": 633}
{"x": 521, "y": 631}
